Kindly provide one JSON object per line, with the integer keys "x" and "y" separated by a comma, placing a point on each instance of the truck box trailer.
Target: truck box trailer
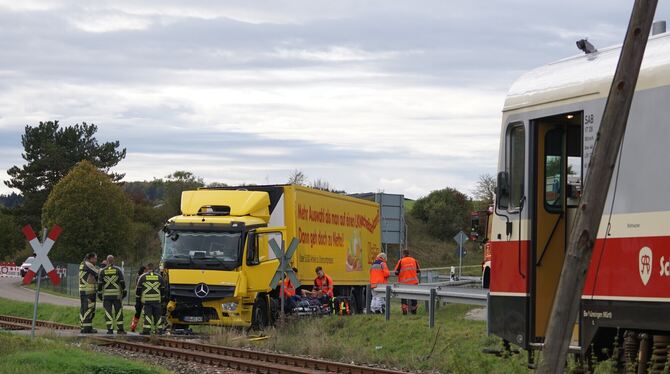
{"x": 218, "y": 261}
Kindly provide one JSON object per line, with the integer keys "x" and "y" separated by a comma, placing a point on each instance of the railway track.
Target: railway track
{"x": 240, "y": 359}
{"x": 234, "y": 358}
{"x": 19, "y": 323}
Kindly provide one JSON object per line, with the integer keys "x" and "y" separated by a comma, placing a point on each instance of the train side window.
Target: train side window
{"x": 553, "y": 170}
{"x": 573, "y": 190}
{"x": 516, "y": 164}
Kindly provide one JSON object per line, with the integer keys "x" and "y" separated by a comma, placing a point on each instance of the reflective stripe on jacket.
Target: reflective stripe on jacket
{"x": 379, "y": 273}
{"x": 407, "y": 270}
{"x": 324, "y": 285}
{"x": 88, "y": 276}
{"x": 111, "y": 282}
{"x": 150, "y": 288}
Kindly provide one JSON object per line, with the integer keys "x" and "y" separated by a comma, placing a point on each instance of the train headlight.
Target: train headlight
{"x": 230, "y": 307}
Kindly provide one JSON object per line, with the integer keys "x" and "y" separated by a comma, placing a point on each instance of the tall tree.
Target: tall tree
{"x": 485, "y": 189}
{"x": 297, "y": 177}
{"x": 93, "y": 211}
{"x": 447, "y": 211}
{"x": 50, "y": 151}
{"x": 11, "y": 240}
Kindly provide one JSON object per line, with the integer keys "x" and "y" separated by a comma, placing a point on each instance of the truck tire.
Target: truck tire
{"x": 259, "y": 314}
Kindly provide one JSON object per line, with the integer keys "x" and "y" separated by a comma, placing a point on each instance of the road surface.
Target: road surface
{"x": 10, "y": 288}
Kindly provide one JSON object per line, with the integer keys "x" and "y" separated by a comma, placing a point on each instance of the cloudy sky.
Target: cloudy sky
{"x": 400, "y": 96}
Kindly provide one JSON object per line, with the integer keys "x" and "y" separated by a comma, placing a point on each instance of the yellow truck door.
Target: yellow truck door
{"x": 260, "y": 261}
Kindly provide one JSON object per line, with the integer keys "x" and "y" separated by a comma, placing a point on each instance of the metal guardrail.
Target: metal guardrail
{"x": 431, "y": 294}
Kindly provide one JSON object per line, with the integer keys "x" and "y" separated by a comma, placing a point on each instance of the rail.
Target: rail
{"x": 431, "y": 294}
{"x": 234, "y": 358}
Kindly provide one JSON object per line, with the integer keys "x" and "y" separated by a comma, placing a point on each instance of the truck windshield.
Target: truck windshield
{"x": 199, "y": 249}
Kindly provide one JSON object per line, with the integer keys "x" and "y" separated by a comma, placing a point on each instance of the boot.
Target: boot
{"x": 133, "y": 324}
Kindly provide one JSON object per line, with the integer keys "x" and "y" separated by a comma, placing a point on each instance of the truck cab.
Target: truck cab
{"x": 217, "y": 261}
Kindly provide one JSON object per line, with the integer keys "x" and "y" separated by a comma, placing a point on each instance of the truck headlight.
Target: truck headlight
{"x": 229, "y": 307}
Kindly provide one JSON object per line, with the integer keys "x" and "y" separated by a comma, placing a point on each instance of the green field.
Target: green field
{"x": 22, "y": 355}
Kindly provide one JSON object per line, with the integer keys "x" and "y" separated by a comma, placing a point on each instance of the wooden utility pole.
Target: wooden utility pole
{"x": 603, "y": 161}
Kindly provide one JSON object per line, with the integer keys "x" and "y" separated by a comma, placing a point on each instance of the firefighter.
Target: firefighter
{"x": 408, "y": 272}
{"x": 112, "y": 290}
{"x": 138, "y": 302}
{"x": 88, "y": 276}
{"x": 151, "y": 291}
{"x": 379, "y": 274}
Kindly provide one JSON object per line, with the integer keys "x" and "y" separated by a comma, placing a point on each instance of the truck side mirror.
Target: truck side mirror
{"x": 252, "y": 249}
{"x": 502, "y": 191}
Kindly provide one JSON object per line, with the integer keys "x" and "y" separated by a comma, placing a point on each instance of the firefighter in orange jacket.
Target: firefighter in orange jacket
{"x": 408, "y": 272}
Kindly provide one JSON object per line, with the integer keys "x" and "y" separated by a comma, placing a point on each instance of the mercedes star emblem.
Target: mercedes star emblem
{"x": 201, "y": 290}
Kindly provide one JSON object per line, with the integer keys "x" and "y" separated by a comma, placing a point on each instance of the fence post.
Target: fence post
{"x": 431, "y": 309}
{"x": 387, "y": 311}
{"x": 368, "y": 298}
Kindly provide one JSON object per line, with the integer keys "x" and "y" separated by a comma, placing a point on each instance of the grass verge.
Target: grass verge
{"x": 56, "y": 313}
{"x": 20, "y": 355}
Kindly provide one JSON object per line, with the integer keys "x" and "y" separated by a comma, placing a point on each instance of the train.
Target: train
{"x": 550, "y": 123}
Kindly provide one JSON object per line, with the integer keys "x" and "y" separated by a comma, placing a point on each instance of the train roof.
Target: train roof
{"x": 587, "y": 76}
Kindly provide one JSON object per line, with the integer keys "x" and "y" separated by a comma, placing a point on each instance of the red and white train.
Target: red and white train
{"x": 550, "y": 121}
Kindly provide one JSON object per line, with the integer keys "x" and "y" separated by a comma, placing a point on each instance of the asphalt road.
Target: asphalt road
{"x": 10, "y": 288}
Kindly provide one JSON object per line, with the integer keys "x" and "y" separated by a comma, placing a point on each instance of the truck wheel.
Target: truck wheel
{"x": 259, "y": 315}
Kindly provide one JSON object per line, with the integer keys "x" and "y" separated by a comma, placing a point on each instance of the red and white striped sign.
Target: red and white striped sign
{"x": 41, "y": 251}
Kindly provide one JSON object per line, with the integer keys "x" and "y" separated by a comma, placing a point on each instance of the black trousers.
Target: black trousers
{"x": 408, "y": 305}
{"x": 113, "y": 313}
{"x": 152, "y": 317}
{"x": 138, "y": 307}
{"x": 86, "y": 311}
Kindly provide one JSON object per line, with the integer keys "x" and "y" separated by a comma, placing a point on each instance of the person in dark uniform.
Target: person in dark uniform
{"x": 112, "y": 290}
{"x": 88, "y": 276}
{"x": 138, "y": 302}
{"x": 151, "y": 290}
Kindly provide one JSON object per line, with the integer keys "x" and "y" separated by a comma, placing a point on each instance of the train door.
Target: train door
{"x": 558, "y": 170}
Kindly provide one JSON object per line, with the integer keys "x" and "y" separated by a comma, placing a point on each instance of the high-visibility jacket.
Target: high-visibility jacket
{"x": 110, "y": 282}
{"x": 288, "y": 288}
{"x": 150, "y": 288}
{"x": 379, "y": 273}
{"x": 88, "y": 276}
{"x": 324, "y": 285}
{"x": 408, "y": 270}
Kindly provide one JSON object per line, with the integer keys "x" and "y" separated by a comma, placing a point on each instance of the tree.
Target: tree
{"x": 93, "y": 211}
{"x": 485, "y": 189}
{"x": 50, "y": 151}
{"x": 175, "y": 184}
{"x": 11, "y": 240}
{"x": 447, "y": 211}
{"x": 320, "y": 184}
{"x": 297, "y": 177}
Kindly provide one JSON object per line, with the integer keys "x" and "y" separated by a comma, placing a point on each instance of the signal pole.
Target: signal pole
{"x": 585, "y": 227}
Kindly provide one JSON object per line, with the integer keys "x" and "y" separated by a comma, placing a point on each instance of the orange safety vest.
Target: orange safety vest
{"x": 324, "y": 285}
{"x": 408, "y": 270}
{"x": 288, "y": 288}
{"x": 379, "y": 273}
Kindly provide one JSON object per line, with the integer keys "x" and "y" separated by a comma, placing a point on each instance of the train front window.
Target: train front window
{"x": 516, "y": 159}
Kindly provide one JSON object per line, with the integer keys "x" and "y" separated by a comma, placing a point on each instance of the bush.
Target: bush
{"x": 446, "y": 211}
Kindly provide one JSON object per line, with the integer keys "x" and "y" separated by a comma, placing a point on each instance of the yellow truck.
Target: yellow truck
{"x": 218, "y": 262}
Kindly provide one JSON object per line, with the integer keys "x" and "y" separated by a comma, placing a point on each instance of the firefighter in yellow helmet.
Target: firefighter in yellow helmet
{"x": 112, "y": 290}
{"x": 151, "y": 291}
{"x": 88, "y": 276}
